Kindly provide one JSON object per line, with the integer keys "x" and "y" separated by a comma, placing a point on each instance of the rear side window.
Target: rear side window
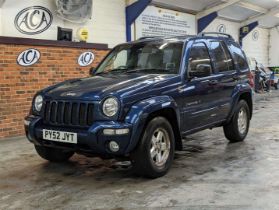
{"x": 239, "y": 56}
{"x": 222, "y": 57}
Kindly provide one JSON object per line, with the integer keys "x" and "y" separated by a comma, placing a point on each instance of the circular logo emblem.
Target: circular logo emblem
{"x": 221, "y": 28}
{"x": 28, "y": 57}
{"x": 86, "y": 58}
{"x": 255, "y": 35}
{"x": 33, "y": 20}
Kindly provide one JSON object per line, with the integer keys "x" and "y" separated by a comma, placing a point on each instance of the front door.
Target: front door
{"x": 198, "y": 91}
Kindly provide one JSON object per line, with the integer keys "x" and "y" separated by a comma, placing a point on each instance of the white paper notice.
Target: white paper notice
{"x": 155, "y": 21}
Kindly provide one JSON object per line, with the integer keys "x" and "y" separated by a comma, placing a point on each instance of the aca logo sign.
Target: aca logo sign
{"x": 33, "y": 20}
{"x": 221, "y": 28}
{"x": 28, "y": 57}
{"x": 86, "y": 58}
{"x": 255, "y": 35}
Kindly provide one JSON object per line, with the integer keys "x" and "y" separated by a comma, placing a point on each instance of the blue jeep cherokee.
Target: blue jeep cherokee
{"x": 142, "y": 99}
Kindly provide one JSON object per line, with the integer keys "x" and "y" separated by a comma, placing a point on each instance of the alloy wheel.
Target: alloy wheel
{"x": 160, "y": 147}
{"x": 242, "y": 120}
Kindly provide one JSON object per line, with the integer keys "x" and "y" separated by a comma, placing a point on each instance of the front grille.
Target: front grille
{"x": 68, "y": 113}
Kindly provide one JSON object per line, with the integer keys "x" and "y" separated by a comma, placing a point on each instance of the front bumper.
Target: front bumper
{"x": 90, "y": 140}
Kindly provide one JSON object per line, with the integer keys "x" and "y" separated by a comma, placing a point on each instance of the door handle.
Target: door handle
{"x": 213, "y": 82}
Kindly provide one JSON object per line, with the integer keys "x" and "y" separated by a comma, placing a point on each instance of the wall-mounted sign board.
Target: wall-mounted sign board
{"x": 156, "y": 21}
{"x": 28, "y": 57}
{"x": 86, "y": 58}
{"x": 33, "y": 20}
{"x": 39, "y": 19}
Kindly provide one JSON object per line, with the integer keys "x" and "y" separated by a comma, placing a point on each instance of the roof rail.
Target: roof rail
{"x": 215, "y": 33}
{"x": 149, "y": 37}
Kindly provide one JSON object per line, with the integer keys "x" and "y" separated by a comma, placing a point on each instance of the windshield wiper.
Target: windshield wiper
{"x": 113, "y": 70}
{"x": 140, "y": 70}
{"x": 124, "y": 70}
{"x": 119, "y": 69}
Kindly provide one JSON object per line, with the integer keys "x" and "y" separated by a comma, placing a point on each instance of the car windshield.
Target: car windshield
{"x": 145, "y": 57}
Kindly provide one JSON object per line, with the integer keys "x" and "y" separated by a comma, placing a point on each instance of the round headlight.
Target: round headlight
{"x": 38, "y": 103}
{"x": 110, "y": 107}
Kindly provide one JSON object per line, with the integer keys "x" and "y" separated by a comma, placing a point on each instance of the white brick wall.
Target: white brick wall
{"x": 231, "y": 27}
{"x": 106, "y": 26}
{"x": 274, "y": 47}
{"x": 1, "y": 30}
{"x": 257, "y": 49}
{"x": 109, "y": 21}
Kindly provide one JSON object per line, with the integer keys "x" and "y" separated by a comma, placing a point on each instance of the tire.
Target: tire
{"x": 161, "y": 146}
{"x": 276, "y": 86}
{"x": 236, "y": 130}
{"x": 53, "y": 154}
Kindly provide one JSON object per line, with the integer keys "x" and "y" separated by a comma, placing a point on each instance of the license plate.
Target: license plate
{"x": 59, "y": 136}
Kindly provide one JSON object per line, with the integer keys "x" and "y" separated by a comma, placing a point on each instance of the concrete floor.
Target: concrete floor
{"x": 208, "y": 174}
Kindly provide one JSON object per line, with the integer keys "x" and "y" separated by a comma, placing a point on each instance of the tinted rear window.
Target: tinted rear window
{"x": 239, "y": 56}
{"x": 222, "y": 58}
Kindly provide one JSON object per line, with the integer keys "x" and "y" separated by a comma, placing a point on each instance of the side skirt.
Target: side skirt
{"x": 209, "y": 126}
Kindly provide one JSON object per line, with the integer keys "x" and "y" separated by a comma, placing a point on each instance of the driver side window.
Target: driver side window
{"x": 199, "y": 61}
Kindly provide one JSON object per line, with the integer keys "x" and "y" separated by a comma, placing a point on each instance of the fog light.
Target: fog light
{"x": 122, "y": 131}
{"x": 111, "y": 132}
{"x": 113, "y": 146}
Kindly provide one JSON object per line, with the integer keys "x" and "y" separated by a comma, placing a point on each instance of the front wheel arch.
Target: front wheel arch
{"x": 142, "y": 112}
{"x": 144, "y": 160}
{"x": 170, "y": 115}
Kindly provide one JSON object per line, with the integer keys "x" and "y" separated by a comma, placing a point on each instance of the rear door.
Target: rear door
{"x": 226, "y": 74}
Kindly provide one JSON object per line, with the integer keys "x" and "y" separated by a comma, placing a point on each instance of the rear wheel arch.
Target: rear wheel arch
{"x": 237, "y": 129}
{"x": 247, "y": 96}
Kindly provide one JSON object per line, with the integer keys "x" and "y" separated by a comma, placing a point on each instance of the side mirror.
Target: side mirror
{"x": 202, "y": 70}
{"x": 92, "y": 71}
